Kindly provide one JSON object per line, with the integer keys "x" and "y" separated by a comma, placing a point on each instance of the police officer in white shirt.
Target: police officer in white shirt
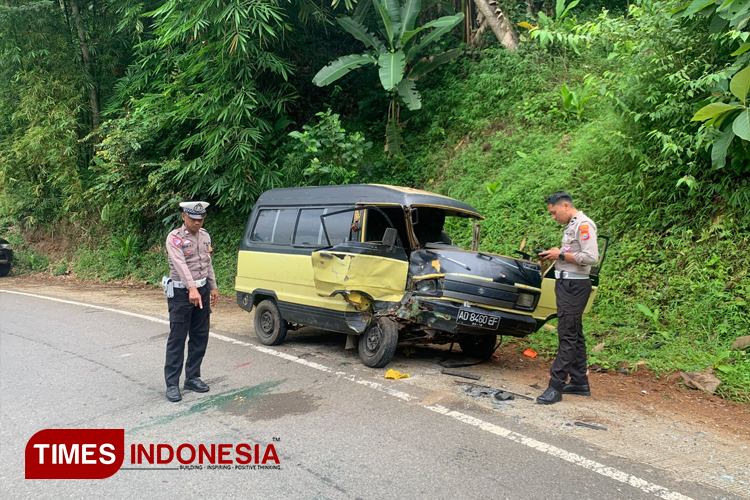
{"x": 572, "y": 288}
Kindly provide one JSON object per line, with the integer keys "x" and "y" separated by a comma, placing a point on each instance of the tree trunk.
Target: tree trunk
{"x": 468, "y": 19}
{"x": 476, "y": 39}
{"x": 93, "y": 95}
{"x": 499, "y": 24}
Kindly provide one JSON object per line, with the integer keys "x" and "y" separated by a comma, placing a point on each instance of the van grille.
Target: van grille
{"x": 481, "y": 292}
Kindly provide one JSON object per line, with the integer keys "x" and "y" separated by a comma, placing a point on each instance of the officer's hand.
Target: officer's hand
{"x": 551, "y": 254}
{"x": 214, "y": 297}
{"x": 195, "y": 297}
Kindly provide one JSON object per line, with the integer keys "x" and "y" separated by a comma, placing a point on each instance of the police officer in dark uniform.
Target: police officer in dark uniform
{"x": 572, "y": 288}
{"x": 191, "y": 291}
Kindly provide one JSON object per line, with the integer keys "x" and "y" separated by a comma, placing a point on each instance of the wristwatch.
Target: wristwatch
{"x": 562, "y": 255}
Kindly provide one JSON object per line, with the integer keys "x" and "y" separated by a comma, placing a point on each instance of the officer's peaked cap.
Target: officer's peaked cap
{"x": 195, "y": 209}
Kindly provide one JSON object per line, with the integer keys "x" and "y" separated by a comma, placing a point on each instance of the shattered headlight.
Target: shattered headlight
{"x": 427, "y": 286}
{"x": 525, "y": 300}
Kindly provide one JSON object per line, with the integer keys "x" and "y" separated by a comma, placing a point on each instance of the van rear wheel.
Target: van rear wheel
{"x": 378, "y": 344}
{"x": 270, "y": 327}
{"x": 479, "y": 346}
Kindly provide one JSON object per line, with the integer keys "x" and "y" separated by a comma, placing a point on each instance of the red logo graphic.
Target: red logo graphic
{"x": 75, "y": 453}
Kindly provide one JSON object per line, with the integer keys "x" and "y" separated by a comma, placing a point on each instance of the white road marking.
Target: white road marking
{"x": 573, "y": 458}
{"x": 540, "y": 446}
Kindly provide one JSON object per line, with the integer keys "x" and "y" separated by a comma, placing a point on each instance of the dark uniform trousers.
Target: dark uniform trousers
{"x": 184, "y": 319}
{"x": 572, "y": 297}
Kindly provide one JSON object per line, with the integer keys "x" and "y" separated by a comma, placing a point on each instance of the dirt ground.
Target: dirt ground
{"x": 697, "y": 436}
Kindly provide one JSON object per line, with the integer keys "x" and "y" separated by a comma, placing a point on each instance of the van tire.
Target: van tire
{"x": 270, "y": 327}
{"x": 478, "y": 346}
{"x": 378, "y": 344}
{"x": 4, "y": 270}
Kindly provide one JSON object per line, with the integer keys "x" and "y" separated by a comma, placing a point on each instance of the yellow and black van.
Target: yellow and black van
{"x": 376, "y": 261}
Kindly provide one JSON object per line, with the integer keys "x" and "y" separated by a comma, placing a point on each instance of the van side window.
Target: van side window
{"x": 377, "y": 224}
{"x": 274, "y": 226}
{"x": 309, "y": 228}
{"x": 339, "y": 227}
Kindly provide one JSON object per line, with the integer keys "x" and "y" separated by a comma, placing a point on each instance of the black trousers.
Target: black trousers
{"x": 572, "y": 297}
{"x": 186, "y": 319}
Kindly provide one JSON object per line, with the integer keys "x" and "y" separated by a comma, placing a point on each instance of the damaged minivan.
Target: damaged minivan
{"x": 377, "y": 262}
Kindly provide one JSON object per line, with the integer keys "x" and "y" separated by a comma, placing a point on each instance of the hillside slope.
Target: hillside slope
{"x": 675, "y": 284}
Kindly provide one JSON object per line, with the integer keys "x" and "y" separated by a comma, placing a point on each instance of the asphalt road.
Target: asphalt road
{"x": 338, "y": 433}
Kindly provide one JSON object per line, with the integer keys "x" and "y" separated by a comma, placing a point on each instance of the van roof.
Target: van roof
{"x": 353, "y": 194}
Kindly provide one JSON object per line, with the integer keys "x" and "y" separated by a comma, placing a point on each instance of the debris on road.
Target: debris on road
{"x": 395, "y": 375}
{"x": 590, "y": 426}
{"x": 460, "y": 374}
{"x": 529, "y": 353}
{"x": 487, "y": 390}
{"x": 504, "y": 396}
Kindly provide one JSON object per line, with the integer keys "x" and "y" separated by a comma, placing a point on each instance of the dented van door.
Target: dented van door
{"x": 361, "y": 271}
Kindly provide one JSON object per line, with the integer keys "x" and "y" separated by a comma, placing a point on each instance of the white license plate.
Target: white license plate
{"x": 480, "y": 320}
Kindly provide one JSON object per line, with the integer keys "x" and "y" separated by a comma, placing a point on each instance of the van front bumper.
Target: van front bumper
{"x": 444, "y": 316}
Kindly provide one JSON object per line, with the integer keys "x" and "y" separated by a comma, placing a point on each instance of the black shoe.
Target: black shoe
{"x": 550, "y": 397}
{"x": 173, "y": 393}
{"x": 196, "y": 384}
{"x": 578, "y": 390}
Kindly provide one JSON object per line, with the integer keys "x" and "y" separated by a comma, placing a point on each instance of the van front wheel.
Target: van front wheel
{"x": 480, "y": 346}
{"x": 378, "y": 344}
{"x": 270, "y": 327}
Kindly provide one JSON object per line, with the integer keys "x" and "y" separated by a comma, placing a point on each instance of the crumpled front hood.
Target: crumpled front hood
{"x": 498, "y": 268}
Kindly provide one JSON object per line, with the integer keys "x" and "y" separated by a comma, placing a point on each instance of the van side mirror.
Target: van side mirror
{"x": 389, "y": 238}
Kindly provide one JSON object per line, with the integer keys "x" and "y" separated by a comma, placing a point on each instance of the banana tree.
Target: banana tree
{"x": 395, "y": 51}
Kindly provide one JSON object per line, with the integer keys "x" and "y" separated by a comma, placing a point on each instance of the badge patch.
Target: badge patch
{"x": 584, "y": 231}
{"x": 188, "y": 252}
{"x": 176, "y": 241}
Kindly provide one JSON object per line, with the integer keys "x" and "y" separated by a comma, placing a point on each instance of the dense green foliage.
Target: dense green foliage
{"x": 395, "y": 53}
{"x": 216, "y": 100}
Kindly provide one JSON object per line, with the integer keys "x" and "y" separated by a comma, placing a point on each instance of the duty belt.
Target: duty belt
{"x": 566, "y": 275}
{"x": 198, "y": 283}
